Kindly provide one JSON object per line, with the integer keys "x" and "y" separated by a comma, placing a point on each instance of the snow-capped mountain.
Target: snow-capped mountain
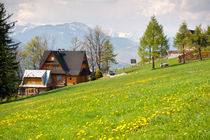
{"x": 60, "y": 36}
{"x": 129, "y": 35}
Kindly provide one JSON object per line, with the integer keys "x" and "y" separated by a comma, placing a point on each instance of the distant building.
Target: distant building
{"x": 173, "y": 53}
{"x": 133, "y": 61}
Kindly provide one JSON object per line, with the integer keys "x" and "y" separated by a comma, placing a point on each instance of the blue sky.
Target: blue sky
{"x": 115, "y": 15}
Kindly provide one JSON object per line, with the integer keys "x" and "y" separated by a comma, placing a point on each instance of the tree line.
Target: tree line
{"x": 197, "y": 40}
{"x": 155, "y": 44}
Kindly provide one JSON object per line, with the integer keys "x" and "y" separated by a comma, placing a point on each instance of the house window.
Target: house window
{"x": 69, "y": 78}
{"x": 47, "y": 67}
{"x": 59, "y": 78}
{"x": 55, "y": 67}
{"x": 52, "y": 58}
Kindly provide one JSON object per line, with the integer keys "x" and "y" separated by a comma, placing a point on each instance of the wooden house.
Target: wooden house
{"x": 34, "y": 82}
{"x": 67, "y": 67}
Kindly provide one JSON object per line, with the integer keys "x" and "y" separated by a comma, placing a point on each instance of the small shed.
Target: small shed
{"x": 133, "y": 61}
{"x": 35, "y": 82}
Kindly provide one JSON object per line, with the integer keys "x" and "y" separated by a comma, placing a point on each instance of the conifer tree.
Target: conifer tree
{"x": 153, "y": 43}
{"x": 8, "y": 66}
{"x": 199, "y": 40}
{"x": 108, "y": 56}
{"x": 182, "y": 39}
{"x": 207, "y": 34}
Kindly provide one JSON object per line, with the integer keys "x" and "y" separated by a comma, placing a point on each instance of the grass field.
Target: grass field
{"x": 167, "y": 103}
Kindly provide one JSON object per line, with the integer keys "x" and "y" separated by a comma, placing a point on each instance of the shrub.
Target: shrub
{"x": 98, "y": 74}
{"x": 92, "y": 76}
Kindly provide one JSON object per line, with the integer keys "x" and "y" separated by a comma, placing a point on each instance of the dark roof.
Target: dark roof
{"x": 192, "y": 31}
{"x": 70, "y": 61}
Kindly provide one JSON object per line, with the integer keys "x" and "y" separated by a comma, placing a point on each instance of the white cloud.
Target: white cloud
{"x": 119, "y": 15}
{"x": 25, "y": 12}
{"x": 194, "y": 10}
{"x": 186, "y": 15}
{"x": 62, "y": 2}
{"x": 154, "y": 7}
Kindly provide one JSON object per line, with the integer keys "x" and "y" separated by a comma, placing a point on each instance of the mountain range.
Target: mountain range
{"x": 59, "y": 37}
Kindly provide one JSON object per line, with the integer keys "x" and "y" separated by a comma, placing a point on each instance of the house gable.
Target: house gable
{"x": 51, "y": 63}
{"x": 84, "y": 67}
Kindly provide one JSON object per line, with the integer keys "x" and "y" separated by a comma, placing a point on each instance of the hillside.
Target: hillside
{"x": 166, "y": 103}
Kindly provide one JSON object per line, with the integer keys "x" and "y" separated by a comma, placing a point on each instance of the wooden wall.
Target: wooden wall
{"x": 72, "y": 80}
{"x": 191, "y": 56}
{"x": 58, "y": 83}
{"x": 51, "y": 66}
{"x": 85, "y": 65}
{"x": 32, "y": 81}
{"x": 34, "y": 91}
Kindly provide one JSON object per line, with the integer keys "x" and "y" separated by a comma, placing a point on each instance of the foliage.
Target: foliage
{"x": 8, "y": 65}
{"x": 164, "y": 45}
{"x": 182, "y": 39}
{"x": 168, "y": 103}
{"x": 108, "y": 56}
{"x": 92, "y": 76}
{"x": 98, "y": 74}
{"x": 153, "y": 43}
{"x": 32, "y": 55}
{"x": 199, "y": 40}
{"x": 208, "y": 35}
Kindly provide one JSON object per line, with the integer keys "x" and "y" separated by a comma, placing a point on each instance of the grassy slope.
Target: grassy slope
{"x": 164, "y": 103}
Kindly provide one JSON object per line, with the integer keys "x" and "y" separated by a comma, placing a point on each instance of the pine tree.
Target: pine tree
{"x": 182, "y": 39}
{"x": 8, "y": 66}
{"x": 153, "y": 43}
{"x": 199, "y": 40}
{"x": 164, "y": 45}
{"x": 108, "y": 56}
{"x": 207, "y": 34}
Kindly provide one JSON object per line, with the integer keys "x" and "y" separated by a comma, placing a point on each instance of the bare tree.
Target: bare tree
{"x": 89, "y": 47}
{"x": 53, "y": 42}
{"x": 99, "y": 38}
{"x": 75, "y": 44}
{"x": 95, "y": 42}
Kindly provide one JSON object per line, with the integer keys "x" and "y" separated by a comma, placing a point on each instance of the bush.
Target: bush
{"x": 98, "y": 74}
{"x": 92, "y": 76}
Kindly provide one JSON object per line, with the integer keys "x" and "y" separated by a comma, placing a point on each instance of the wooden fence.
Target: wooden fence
{"x": 190, "y": 56}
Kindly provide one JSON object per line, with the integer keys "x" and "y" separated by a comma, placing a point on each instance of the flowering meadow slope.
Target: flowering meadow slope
{"x": 166, "y": 103}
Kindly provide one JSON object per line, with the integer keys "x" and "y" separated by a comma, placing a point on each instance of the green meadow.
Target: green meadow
{"x": 165, "y": 103}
